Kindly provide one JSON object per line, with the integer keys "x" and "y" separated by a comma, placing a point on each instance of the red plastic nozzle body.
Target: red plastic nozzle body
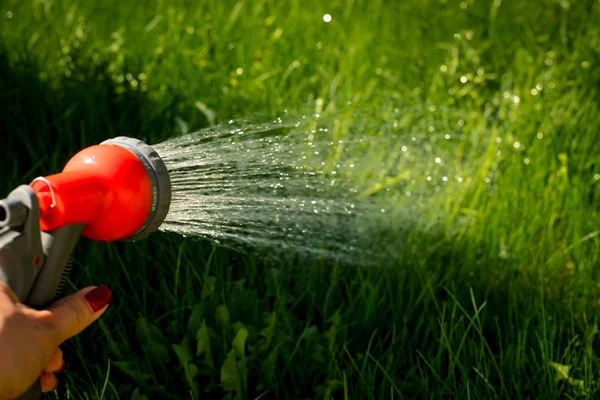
{"x": 105, "y": 187}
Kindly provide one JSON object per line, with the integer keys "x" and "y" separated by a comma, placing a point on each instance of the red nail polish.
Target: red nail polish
{"x": 62, "y": 368}
{"x": 98, "y": 297}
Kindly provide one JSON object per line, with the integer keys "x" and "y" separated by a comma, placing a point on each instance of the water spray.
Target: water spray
{"x": 117, "y": 190}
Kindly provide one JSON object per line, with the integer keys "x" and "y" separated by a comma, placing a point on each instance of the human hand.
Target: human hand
{"x": 29, "y": 338}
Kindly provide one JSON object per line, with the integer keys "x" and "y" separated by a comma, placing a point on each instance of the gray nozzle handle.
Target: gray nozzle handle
{"x": 21, "y": 254}
{"x": 33, "y": 263}
{"x": 58, "y": 246}
{"x": 12, "y": 212}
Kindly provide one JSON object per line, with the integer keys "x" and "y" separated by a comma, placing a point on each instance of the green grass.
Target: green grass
{"x": 496, "y": 283}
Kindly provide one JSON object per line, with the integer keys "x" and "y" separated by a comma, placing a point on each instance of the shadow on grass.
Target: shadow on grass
{"x": 45, "y": 122}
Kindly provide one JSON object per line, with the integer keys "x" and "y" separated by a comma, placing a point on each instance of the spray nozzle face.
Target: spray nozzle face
{"x": 120, "y": 190}
{"x": 159, "y": 182}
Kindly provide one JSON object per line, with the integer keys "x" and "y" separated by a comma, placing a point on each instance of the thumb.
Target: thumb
{"x": 74, "y": 313}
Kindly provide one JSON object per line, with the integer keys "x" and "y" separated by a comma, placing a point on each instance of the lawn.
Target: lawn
{"x": 490, "y": 285}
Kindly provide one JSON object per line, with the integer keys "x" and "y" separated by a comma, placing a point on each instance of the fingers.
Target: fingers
{"x": 48, "y": 381}
{"x": 56, "y": 362}
{"x": 6, "y": 291}
{"x": 74, "y": 313}
{"x": 55, "y": 365}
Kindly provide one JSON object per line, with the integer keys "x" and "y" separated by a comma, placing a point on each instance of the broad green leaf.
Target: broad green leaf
{"x": 312, "y": 330}
{"x": 222, "y": 317}
{"x": 132, "y": 370}
{"x": 562, "y": 371}
{"x": 234, "y": 371}
{"x": 234, "y": 375}
{"x": 203, "y": 345}
{"x": 152, "y": 340}
{"x": 196, "y": 319}
{"x": 209, "y": 287}
{"x": 336, "y": 318}
{"x": 334, "y": 384}
{"x": 239, "y": 342}
{"x": 230, "y": 378}
{"x": 136, "y": 395}
{"x": 268, "y": 331}
{"x": 191, "y": 371}
{"x": 237, "y": 326}
{"x": 146, "y": 331}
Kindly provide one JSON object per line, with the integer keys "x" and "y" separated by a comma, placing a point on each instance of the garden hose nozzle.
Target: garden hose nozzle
{"x": 117, "y": 190}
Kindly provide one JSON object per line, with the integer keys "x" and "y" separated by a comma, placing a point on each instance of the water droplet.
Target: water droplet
{"x": 517, "y": 145}
{"x": 597, "y": 177}
{"x": 463, "y": 5}
{"x": 516, "y": 99}
{"x": 445, "y": 178}
{"x": 534, "y": 92}
{"x": 429, "y": 178}
{"x": 463, "y": 79}
{"x": 382, "y": 210}
{"x": 408, "y": 193}
{"x": 438, "y": 160}
{"x": 540, "y": 135}
{"x": 327, "y": 18}
{"x": 9, "y": 14}
{"x": 239, "y": 71}
{"x": 446, "y": 136}
{"x": 296, "y": 64}
{"x": 443, "y": 68}
{"x": 404, "y": 148}
{"x": 526, "y": 161}
{"x": 585, "y": 64}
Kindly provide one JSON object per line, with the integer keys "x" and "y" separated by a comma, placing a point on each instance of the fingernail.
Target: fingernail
{"x": 98, "y": 297}
{"x": 62, "y": 368}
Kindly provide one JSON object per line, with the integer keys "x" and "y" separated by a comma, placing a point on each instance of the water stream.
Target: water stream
{"x": 297, "y": 183}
